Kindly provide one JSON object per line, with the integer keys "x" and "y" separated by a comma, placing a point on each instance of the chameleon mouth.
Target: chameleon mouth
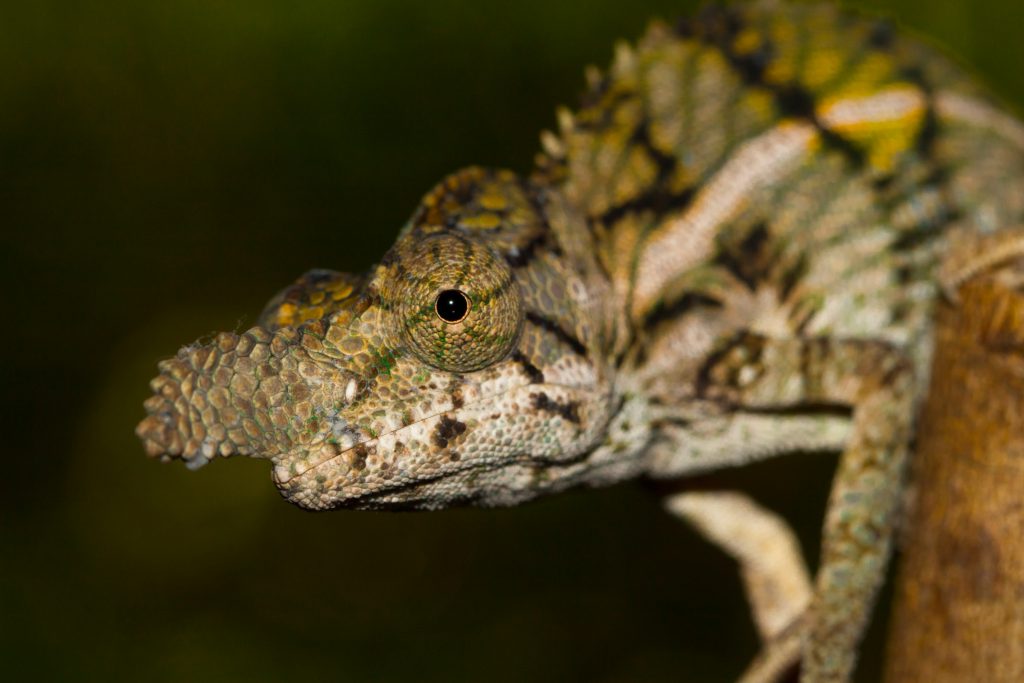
{"x": 283, "y": 474}
{"x": 388, "y": 470}
{"x": 407, "y": 467}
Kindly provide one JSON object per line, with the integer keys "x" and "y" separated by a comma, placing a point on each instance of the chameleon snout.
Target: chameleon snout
{"x": 257, "y": 393}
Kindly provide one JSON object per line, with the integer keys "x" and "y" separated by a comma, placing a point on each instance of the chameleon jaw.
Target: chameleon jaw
{"x": 442, "y": 451}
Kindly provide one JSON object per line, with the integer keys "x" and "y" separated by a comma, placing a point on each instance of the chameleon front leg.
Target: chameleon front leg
{"x": 772, "y": 567}
{"x": 758, "y": 374}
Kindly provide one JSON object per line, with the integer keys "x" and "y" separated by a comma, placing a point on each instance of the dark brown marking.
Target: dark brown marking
{"x": 657, "y": 198}
{"x": 538, "y": 198}
{"x": 684, "y": 28}
{"x": 531, "y": 370}
{"x": 939, "y": 176}
{"x": 748, "y": 261}
{"x": 900, "y": 368}
{"x": 882, "y": 35}
{"x": 538, "y": 320}
{"x": 673, "y": 420}
{"x": 490, "y": 295}
{"x": 358, "y": 458}
{"x": 929, "y": 131}
{"x": 689, "y": 301}
{"x": 793, "y": 100}
{"x": 447, "y": 429}
{"x": 605, "y": 112}
{"x": 802, "y": 315}
{"x": 754, "y": 342}
{"x": 567, "y": 411}
{"x": 791, "y": 276}
{"x": 592, "y": 97}
{"x": 882, "y": 184}
{"x": 666, "y": 163}
{"x": 923, "y": 233}
{"x": 520, "y": 257}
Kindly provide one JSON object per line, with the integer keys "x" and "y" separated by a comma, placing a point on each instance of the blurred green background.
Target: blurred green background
{"x": 166, "y": 167}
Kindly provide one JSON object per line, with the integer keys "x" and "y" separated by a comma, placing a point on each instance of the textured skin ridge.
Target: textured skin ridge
{"x": 248, "y": 394}
{"x": 731, "y": 251}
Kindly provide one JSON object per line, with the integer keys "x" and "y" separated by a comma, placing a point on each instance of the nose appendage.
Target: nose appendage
{"x": 253, "y": 393}
{"x": 202, "y": 403}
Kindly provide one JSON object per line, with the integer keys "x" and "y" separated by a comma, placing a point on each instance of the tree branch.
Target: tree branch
{"x": 959, "y": 609}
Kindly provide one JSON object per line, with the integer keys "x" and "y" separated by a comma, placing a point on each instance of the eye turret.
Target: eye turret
{"x": 454, "y": 303}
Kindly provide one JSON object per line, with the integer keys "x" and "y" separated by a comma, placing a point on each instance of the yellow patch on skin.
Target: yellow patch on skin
{"x": 482, "y": 221}
{"x": 873, "y": 72}
{"x": 340, "y": 290}
{"x": 290, "y": 315}
{"x": 782, "y": 69}
{"x": 885, "y": 123}
{"x": 821, "y": 67}
{"x": 286, "y": 314}
{"x": 640, "y": 174}
{"x": 493, "y": 200}
{"x": 747, "y": 41}
{"x": 761, "y": 102}
{"x": 310, "y": 313}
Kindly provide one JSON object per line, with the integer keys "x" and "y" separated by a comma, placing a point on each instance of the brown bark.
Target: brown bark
{"x": 959, "y": 610}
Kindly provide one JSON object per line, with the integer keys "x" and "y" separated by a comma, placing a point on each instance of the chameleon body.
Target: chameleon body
{"x": 731, "y": 251}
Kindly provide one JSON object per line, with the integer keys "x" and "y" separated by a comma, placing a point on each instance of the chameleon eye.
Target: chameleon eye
{"x": 452, "y": 306}
{"x": 442, "y": 279}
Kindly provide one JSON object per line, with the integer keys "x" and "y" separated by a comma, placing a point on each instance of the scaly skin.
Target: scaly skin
{"x": 731, "y": 251}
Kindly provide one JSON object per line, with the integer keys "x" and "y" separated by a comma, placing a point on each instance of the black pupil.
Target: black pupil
{"x": 452, "y": 305}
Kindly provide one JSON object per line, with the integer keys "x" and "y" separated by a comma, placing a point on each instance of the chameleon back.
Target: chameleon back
{"x": 782, "y": 168}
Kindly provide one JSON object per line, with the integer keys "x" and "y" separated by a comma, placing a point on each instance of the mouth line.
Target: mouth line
{"x": 408, "y": 485}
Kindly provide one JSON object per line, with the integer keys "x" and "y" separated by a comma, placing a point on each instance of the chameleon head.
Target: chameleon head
{"x": 460, "y": 370}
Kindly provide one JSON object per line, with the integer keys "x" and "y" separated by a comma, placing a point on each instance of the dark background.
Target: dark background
{"x": 164, "y": 169}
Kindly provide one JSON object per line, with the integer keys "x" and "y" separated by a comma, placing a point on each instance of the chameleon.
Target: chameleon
{"x": 730, "y": 251}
